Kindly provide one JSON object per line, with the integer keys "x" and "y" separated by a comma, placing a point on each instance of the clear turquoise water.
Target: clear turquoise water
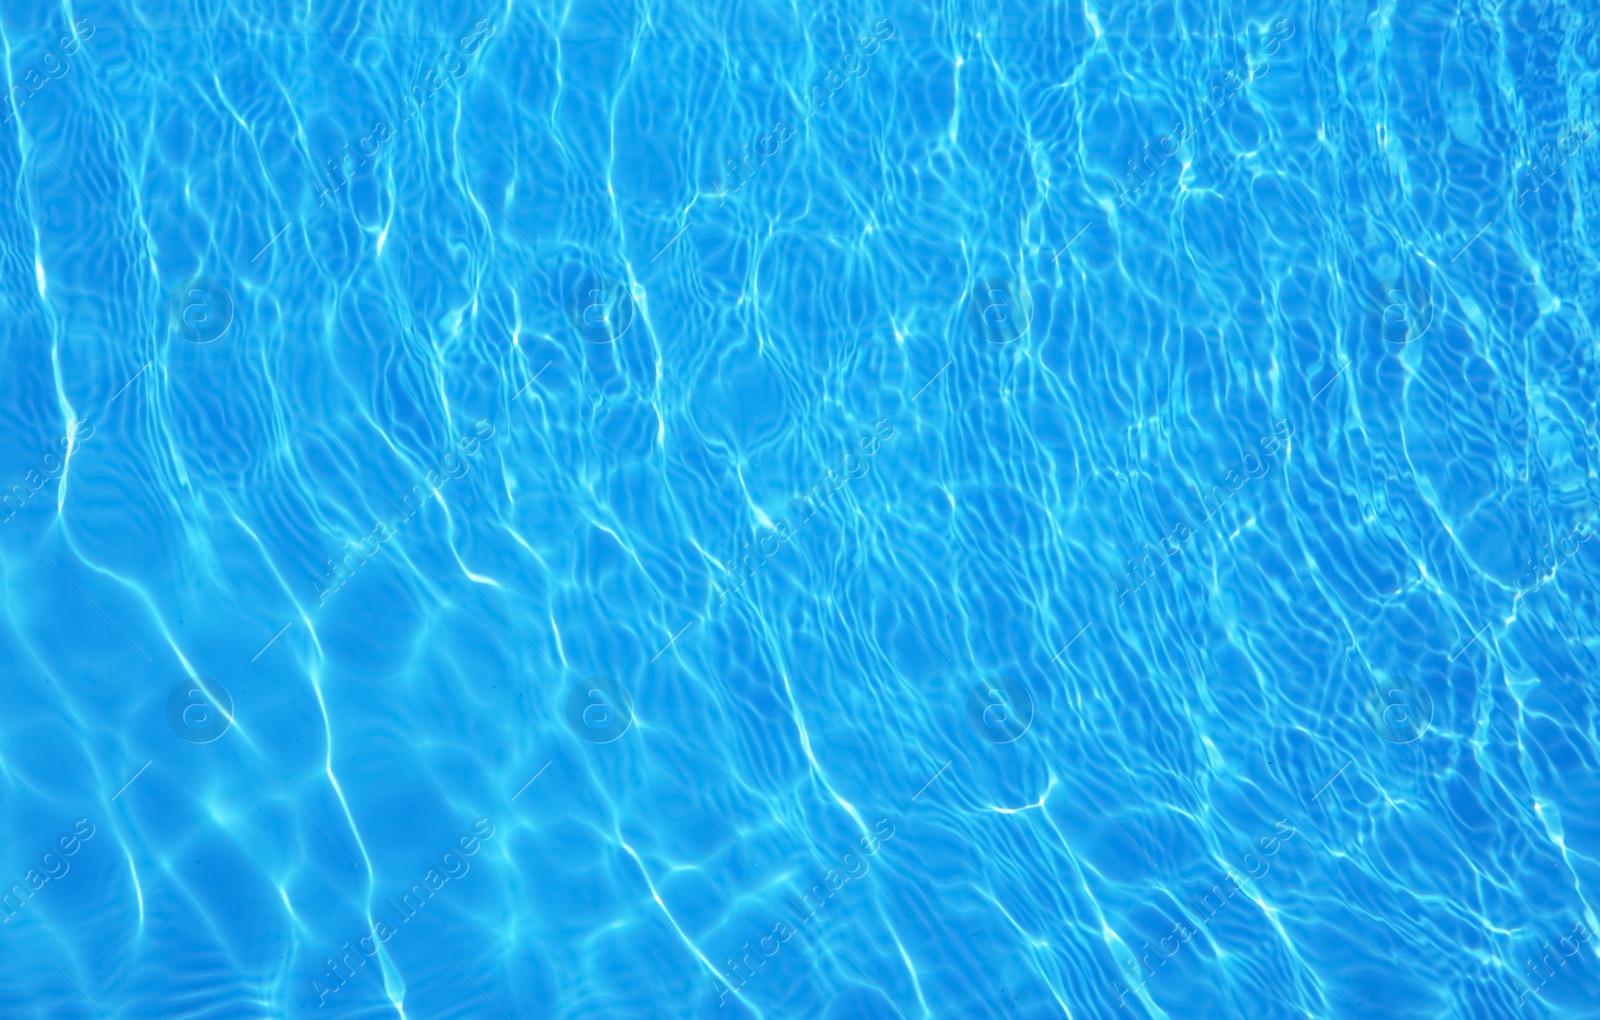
{"x": 953, "y": 512}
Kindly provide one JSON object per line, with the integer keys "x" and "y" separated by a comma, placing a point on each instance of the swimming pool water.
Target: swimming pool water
{"x": 748, "y": 510}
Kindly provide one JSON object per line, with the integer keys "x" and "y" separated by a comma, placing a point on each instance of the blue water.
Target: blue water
{"x": 747, "y": 510}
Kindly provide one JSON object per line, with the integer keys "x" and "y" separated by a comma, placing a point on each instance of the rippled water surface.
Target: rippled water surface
{"x": 709, "y": 510}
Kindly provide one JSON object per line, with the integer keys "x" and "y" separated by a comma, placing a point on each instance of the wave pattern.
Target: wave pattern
{"x": 723, "y": 510}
